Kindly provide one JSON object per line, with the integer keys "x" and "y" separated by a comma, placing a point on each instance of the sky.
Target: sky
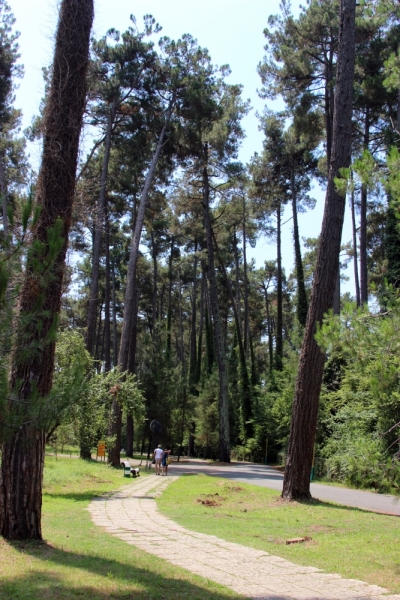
{"x": 232, "y": 30}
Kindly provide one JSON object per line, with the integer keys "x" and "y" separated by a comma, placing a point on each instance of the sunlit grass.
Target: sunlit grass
{"x": 80, "y": 560}
{"x": 351, "y": 542}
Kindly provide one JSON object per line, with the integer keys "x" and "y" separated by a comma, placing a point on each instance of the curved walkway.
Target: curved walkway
{"x": 131, "y": 514}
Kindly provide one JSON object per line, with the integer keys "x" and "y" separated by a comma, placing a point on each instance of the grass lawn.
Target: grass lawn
{"x": 80, "y": 560}
{"x": 347, "y": 541}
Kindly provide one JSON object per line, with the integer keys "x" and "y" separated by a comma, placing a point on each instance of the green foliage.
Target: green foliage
{"x": 359, "y": 412}
{"x": 92, "y": 413}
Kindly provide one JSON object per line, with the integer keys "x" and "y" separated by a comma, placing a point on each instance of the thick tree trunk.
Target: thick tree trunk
{"x": 224, "y": 441}
{"x": 98, "y": 226}
{"x": 296, "y": 483}
{"x": 279, "y": 293}
{"x": 33, "y": 361}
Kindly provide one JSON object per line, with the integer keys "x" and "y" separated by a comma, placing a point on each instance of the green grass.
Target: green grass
{"x": 353, "y": 543}
{"x": 80, "y": 560}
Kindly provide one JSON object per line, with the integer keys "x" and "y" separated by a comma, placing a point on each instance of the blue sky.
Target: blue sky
{"x": 232, "y": 30}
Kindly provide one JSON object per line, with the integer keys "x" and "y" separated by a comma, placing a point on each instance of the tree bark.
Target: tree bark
{"x": 98, "y": 226}
{"x": 224, "y": 441}
{"x": 279, "y": 293}
{"x": 302, "y": 304}
{"x": 296, "y": 484}
{"x": 40, "y": 301}
{"x": 336, "y": 294}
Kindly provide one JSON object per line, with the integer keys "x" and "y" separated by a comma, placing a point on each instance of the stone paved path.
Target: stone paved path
{"x": 131, "y": 514}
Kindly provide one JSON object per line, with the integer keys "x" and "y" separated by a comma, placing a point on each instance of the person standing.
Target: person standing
{"x": 158, "y": 455}
{"x": 165, "y": 460}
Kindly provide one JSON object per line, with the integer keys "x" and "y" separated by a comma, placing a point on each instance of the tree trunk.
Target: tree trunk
{"x": 115, "y": 341}
{"x": 131, "y": 276}
{"x": 98, "y": 226}
{"x": 3, "y": 192}
{"x": 363, "y": 225}
{"x": 279, "y": 293}
{"x": 245, "y": 285}
{"x": 302, "y": 304}
{"x": 296, "y": 484}
{"x": 336, "y": 294}
{"x": 355, "y": 258}
{"x": 129, "y": 436}
{"x": 155, "y": 277}
{"x": 269, "y": 328}
{"x": 40, "y": 301}
{"x": 237, "y": 277}
{"x": 329, "y": 103}
{"x": 246, "y": 395}
{"x": 201, "y": 325}
{"x": 123, "y": 356}
{"x": 193, "y": 324}
{"x": 132, "y": 369}
{"x": 107, "y": 302}
{"x": 224, "y": 442}
{"x": 169, "y": 310}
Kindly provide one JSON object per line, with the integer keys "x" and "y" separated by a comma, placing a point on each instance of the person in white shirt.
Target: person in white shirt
{"x": 158, "y": 454}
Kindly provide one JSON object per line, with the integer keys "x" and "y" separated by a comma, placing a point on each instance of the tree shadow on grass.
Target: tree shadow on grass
{"x": 121, "y": 579}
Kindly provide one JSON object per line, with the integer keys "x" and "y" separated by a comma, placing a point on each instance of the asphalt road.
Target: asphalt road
{"x": 265, "y": 476}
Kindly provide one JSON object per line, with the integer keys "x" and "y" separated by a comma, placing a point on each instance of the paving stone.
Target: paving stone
{"x": 131, "y": 514}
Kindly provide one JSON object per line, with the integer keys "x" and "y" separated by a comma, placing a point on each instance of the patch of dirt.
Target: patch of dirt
{"x": 235, "y": 488}
{"x": 207, "y": 502}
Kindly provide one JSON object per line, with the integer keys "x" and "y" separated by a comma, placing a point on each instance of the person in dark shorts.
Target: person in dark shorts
{"x": 164, "y": 463}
